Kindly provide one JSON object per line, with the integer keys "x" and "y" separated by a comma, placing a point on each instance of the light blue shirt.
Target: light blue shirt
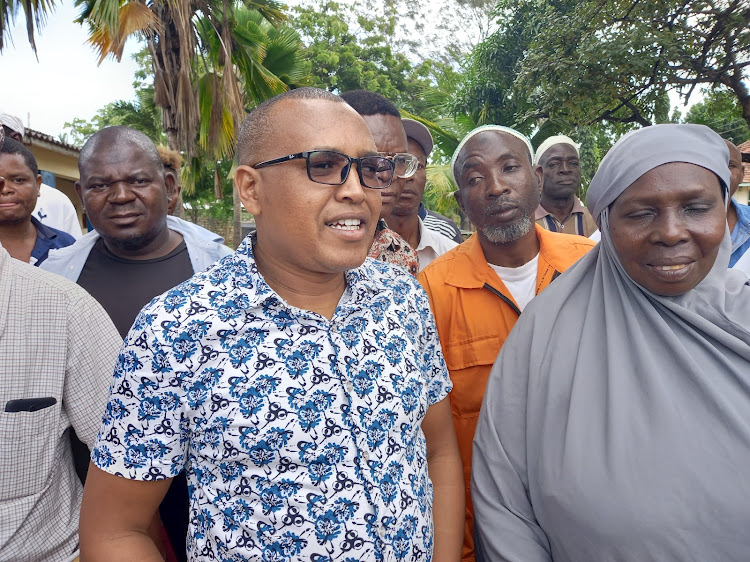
{"x": 203, "y": 246}
{"x": 741, "y": 232}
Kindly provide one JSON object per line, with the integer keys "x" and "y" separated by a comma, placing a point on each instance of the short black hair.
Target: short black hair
{"x": 255, "y": 127}
{"x": 365, "y": 102}
{"x": 117, "y": 133}
{"x": 12, "y": 146}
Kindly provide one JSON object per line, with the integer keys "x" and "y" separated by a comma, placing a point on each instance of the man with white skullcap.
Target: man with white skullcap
{"x": 478, "y": 289}
{"x": 53, "y": 208}
{"x": 560, "y": 210}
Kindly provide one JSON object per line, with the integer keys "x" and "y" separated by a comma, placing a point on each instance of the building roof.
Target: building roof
{"x": 745, "y": 150}
{"x": 37, "y": 137}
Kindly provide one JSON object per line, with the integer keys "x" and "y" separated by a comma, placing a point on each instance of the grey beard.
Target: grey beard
{"x": 510, "y": 233}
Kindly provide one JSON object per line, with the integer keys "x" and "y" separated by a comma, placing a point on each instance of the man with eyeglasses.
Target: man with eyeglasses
{"x": 405, "y": 217}
{"x": 384, "y": 122}
{"x": 300, "y": 384}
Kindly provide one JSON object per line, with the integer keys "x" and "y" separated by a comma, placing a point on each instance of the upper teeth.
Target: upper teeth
{"x": 672, "y": 267}
{"x": 346, "y": 224}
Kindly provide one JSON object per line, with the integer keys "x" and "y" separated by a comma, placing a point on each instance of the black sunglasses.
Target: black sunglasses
{"x": 332, "y": 168}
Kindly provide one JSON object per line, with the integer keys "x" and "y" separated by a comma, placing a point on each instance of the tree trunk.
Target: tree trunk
{"x": 237, "y": 234}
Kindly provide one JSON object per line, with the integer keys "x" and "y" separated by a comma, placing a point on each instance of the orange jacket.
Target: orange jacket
{"x": 474, "y": 313}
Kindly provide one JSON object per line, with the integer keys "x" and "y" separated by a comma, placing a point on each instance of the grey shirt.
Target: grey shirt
{"x": 56, "y": 345}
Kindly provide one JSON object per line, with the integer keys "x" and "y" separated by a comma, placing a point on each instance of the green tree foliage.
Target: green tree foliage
{"x": 177, "y": 33}
{"x": 721, "y": 111}
{"x": 615, "y": 60}
{"x": 351, "y": 48}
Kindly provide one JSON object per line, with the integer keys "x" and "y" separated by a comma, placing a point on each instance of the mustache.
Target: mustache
{"x": 502, "y": 204}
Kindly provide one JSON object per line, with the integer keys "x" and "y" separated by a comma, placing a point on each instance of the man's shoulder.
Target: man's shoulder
{"x": 41, "y": 283}
{"x": 439, "y": 268}
{"x": 563, "y": 248}
{"x": 58, "y": 259}
{"x": 441, "y": 224}
{"x": 743, "y": 211}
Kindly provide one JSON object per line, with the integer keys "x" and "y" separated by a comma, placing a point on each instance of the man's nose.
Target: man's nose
{"x": 495, "y": 186}
{"x": 120, "y": 191}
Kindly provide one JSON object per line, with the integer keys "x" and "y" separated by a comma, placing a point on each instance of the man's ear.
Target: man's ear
{"x": 460, "y": 200}
{"x": 539, "y": 173}
{"x": 80, "y": 197}
{"x": 247, "y": 183}
{"x": 173, "y": 191}
{"x": 38, "y": 185}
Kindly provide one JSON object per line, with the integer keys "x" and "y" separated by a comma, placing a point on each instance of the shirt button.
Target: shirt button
{"x": 349, "y": 386}
{"x": 366, "y": 456}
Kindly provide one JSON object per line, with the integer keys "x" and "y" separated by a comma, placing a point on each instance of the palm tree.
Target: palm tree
{"x": 212, "y": 59}
{"x": 177, "y": 40}
{"x": 35, "y": 11}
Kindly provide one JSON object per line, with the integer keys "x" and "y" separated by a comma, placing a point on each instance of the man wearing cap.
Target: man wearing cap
{"x": 478, "y": 289}
{"x": 404, "y": 217}
{"x": 432, "y": 220}
{"x": 560, "y": 210}
{"x": 53, "y": 208}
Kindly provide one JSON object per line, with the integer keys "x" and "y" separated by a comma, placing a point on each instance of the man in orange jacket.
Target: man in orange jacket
{"x": 478, "y": 289}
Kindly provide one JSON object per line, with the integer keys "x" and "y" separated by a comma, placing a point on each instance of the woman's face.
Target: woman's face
{"x": 667, "y": 227}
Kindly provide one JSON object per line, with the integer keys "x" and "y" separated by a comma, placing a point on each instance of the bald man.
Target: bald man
{"x": 299, "y": 383}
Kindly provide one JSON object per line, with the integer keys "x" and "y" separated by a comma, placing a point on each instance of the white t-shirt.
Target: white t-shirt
{"x": 431, "y": 245}
{"x": 53, "y": 208}
{"x": 520, "y": 281}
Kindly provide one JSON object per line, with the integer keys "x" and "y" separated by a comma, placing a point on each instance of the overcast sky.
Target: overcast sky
{"x": 66, "y": 82}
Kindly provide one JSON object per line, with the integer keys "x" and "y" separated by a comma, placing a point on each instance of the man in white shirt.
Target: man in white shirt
{"x": 404, "y": 217}
{"x": 53, "y": 208}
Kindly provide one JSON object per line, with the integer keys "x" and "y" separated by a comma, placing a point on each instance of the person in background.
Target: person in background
{"x": 300, "y": 383}
{"x": 404, "y": 217}
{"x": 53, "y": 208}
{"x": 172, "y": 161}
{"x": 560, "y": 210}
{"x": 738, "y": 215}
{"x": 614, "y": 426}
{"x": 479, "y": 289}
{"x": 384, "y": 122}
{"x": 21, "y": 234}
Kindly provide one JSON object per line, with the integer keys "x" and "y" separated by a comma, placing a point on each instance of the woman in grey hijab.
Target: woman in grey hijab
{"x": 628, "y": 439}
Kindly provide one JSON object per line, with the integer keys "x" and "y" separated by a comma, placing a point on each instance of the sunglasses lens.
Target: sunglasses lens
{"x": 327, "y": 167}
{"x": 377, "y": 172}
{"x": 406, "y": 165}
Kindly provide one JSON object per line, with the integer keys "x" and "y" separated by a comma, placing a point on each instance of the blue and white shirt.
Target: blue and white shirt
{"x": 301, "y": 436}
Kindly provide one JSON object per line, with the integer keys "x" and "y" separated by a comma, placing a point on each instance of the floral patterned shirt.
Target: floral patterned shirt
{"x": 300, "y": 436}
{"x": 389, "y": 247}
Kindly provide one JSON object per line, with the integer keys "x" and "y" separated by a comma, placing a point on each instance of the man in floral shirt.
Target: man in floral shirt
{"x": 303, "y": 390}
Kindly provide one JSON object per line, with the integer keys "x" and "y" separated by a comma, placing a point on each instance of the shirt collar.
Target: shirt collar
{"x": 541, "y": 212}
{"x": 359, "y": 281}
{"x": 42, "y": 230}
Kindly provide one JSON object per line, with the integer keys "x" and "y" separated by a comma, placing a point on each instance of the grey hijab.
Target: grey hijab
{"x": 629, "y": 437}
